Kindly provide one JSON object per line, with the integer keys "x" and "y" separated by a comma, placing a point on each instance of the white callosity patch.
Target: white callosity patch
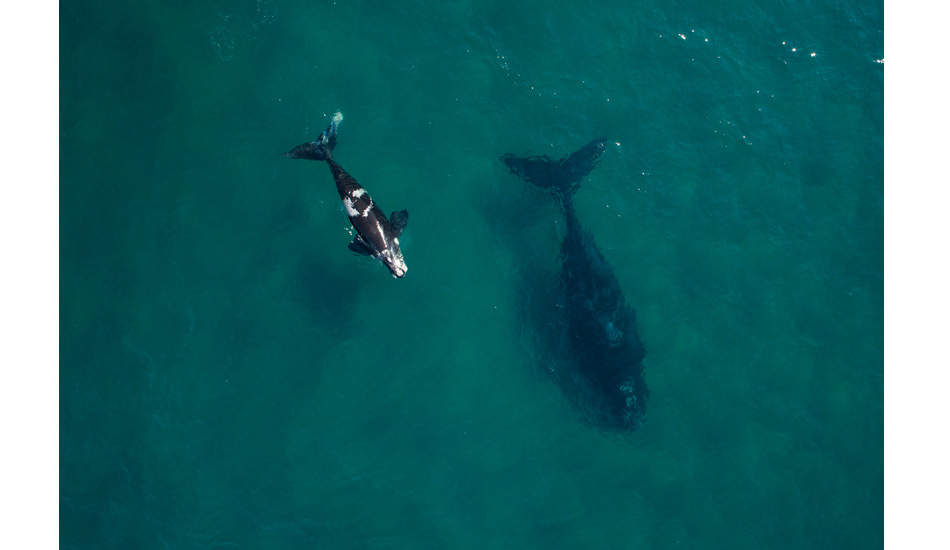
{"x": 399, "y": 268}
{"x": 395, "y": 262}
{"x": 348, "y": 205}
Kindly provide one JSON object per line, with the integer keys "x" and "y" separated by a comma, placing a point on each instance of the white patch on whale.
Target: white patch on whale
{"x": 355, "y": 194}
{"x": 348, "y": 205}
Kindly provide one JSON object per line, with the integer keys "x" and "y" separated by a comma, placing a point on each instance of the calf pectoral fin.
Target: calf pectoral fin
{"x": 359, "y": 246}
{"x": 399, "y": 220}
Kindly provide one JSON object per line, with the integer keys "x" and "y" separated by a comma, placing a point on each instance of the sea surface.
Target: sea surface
{"x": 232, "y": 376}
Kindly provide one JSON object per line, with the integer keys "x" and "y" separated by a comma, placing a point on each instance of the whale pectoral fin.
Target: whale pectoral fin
{"x": 359, "y": 246}
{"x": 399, "y": 220}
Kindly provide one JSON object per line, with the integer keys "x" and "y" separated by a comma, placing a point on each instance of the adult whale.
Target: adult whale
{"x": 606, "y": 352}
{"x": 376, "y": 235}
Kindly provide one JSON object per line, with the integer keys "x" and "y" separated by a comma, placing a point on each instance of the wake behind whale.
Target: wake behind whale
{"x": 606, "y": 353}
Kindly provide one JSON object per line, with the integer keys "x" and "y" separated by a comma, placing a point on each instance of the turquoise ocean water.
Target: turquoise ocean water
{"x": 231, "y": 376}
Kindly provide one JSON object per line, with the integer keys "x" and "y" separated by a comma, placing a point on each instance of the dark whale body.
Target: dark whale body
{"x": 376, "y": 235}
{"x": 606, "y": 353}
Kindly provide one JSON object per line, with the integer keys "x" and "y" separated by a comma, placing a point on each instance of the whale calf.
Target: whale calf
{"x": 376, "y": 235}
{"x": 605, "y": 352}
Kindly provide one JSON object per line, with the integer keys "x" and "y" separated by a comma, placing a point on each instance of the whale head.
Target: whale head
{"x": 393, "y": 260}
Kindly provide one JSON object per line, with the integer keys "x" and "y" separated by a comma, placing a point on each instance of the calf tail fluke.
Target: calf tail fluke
{"x": 322, "y": 148}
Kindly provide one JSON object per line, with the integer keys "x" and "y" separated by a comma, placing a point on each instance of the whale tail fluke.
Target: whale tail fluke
{"x": 322, "y": 148}
{"x": 561, "y": 177}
